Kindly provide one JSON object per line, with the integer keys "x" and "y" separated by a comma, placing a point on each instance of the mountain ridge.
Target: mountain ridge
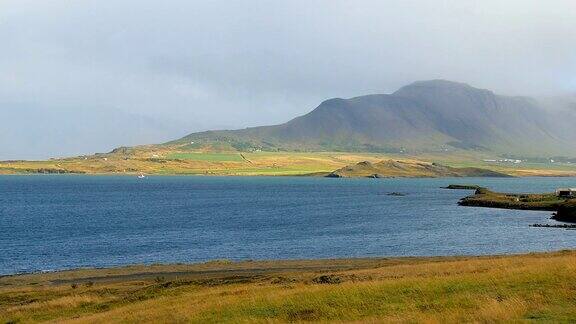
{"x": 424, "y": 116}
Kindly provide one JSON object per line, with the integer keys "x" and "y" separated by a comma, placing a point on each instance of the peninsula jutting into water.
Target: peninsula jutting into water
{"x": 562, "y": 201}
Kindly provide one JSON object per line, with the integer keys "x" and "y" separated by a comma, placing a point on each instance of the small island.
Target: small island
{"x": 409, "y": 169}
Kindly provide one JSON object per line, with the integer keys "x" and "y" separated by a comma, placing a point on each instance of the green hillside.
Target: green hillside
{"x": 424, "y": 117}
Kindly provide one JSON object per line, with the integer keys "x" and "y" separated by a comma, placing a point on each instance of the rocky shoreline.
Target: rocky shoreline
{"x": 564, "y": 208}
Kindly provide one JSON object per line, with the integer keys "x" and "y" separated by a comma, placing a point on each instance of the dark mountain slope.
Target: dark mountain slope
{"x": 425, "y": 116}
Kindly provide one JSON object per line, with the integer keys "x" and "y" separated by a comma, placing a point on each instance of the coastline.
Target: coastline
{"x": 319, "y": 174}
{"x": 167, "y": 162}
{"x": 267, "y": 265}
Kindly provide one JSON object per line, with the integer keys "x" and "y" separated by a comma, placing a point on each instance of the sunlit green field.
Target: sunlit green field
{"x": 217, "y": 157}
{"x": 523, "y": 288}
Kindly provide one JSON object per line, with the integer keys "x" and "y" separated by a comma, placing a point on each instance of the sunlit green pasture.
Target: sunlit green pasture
{"x": 210, "y": 157}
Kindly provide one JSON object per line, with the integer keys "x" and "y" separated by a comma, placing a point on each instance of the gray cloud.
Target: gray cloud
{"x": 195, "y": 65}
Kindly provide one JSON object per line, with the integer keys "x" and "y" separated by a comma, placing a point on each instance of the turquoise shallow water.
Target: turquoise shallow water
{"x": 61, "y": 222}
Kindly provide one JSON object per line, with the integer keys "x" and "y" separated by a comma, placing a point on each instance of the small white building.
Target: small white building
{"x": 566, "y": 192}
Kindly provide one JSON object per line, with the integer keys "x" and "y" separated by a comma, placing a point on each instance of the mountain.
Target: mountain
{"x": 425, "y": 116}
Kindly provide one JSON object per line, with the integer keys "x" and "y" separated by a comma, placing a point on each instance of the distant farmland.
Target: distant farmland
{"x": 211, "y": 157}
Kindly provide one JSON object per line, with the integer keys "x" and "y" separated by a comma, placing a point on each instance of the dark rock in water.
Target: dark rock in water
{"x": 566, "y": 212}
{"x": 397, "y": 194}
{"x": 568, "y": 226}
{"x": 462, "y": 187}
{"x": 333, "y": 175}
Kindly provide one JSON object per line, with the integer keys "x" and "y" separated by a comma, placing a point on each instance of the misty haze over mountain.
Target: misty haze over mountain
{"x": 86, "y": 76}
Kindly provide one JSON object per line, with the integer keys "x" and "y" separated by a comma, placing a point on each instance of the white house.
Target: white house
{"x": 566, "y": 192}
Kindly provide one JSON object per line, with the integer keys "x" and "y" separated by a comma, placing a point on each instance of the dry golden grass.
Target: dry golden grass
{"x": 68, "y": 301}
{"x": 533, "y": 287}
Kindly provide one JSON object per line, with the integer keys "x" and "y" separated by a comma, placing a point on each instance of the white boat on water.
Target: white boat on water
{"x": 141, "y": 176}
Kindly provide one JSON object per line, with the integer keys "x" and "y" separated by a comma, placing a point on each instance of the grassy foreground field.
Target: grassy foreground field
{"x": 532, "y": 287}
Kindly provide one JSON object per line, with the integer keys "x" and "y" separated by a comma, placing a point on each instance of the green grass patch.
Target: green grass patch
{"x": 210, "y": 157}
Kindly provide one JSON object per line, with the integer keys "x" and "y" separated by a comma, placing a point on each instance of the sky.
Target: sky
{"x": 85, "y": 76}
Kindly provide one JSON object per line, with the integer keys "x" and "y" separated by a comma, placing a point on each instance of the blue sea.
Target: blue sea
{"x": 58, "y": 222}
